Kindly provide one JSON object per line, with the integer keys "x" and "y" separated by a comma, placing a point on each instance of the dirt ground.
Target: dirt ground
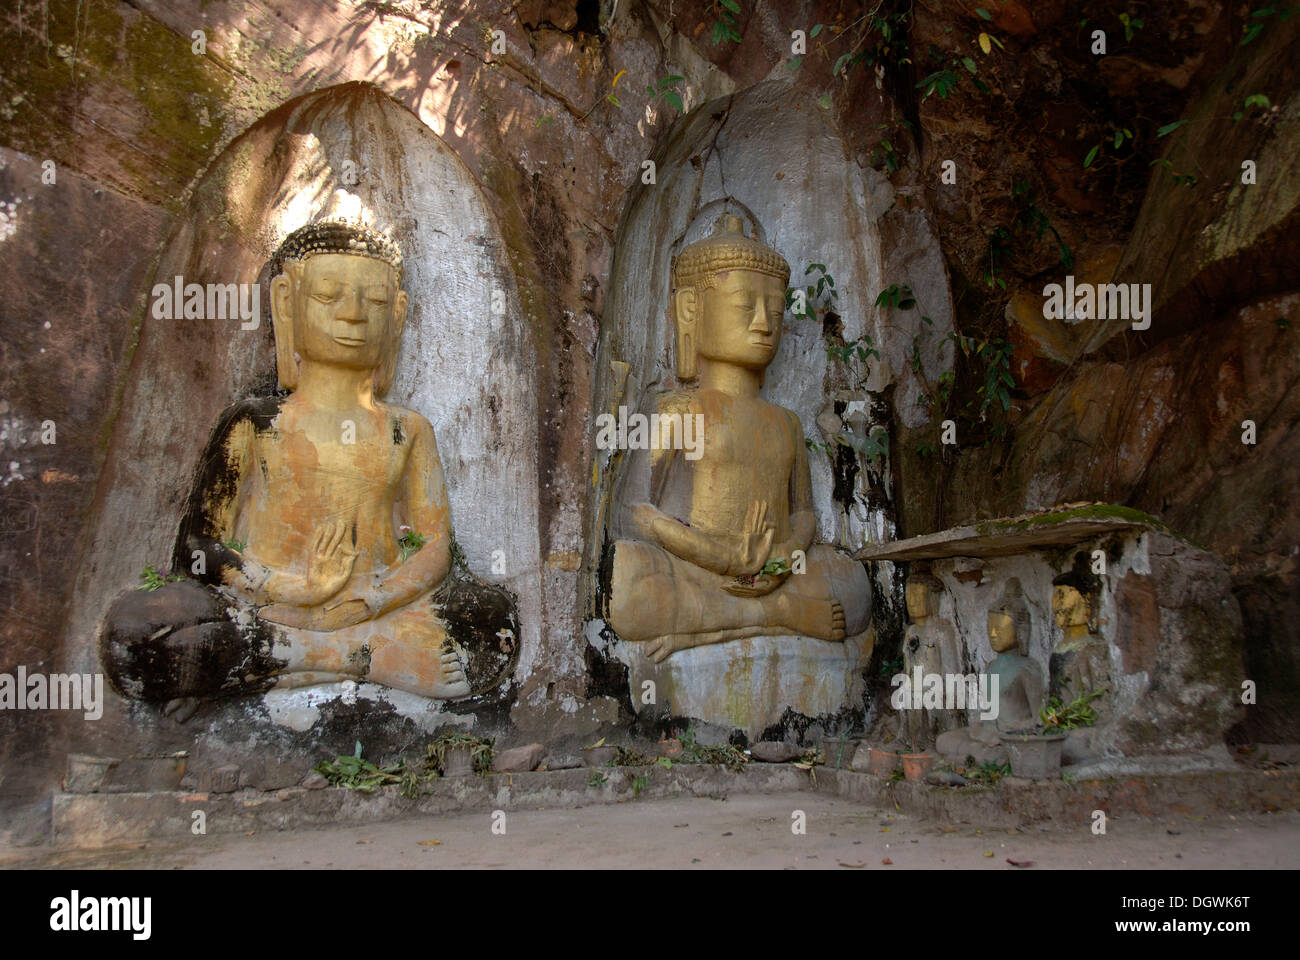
{"x": 752, "y": 832}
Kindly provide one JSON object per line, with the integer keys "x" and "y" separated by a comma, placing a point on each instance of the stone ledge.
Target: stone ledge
{"x": 92, "y": 821}
{"x": 95, "y": 820}
{"x": 1013, "y": 802}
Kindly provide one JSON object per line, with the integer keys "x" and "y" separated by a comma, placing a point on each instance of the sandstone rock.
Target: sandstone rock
{"x": 271, "y": 773}
{"x": 600, "y": 756}
{"x": 519, "y": 759}
{"x": 86, "y": 773}
{"x": 224, "y": 779}
{"x": 773, "y": 751}
{"x": 315, "y": 781}
{"x": 565, "y": 761}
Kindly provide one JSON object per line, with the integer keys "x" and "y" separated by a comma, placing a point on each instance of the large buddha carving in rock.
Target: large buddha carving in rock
{"x": 318, "y": 531}
{"x": 718, "y": 546}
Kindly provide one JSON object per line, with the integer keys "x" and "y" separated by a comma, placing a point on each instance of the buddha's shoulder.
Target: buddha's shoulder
{"x": 678, "y": 401}
{"x": 405, "y": 422}
{"x": 256, "y": 412}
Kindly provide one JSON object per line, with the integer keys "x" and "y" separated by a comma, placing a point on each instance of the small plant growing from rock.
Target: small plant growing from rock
{"x": 153, "y": 579}
{"x": 410, "y": 542}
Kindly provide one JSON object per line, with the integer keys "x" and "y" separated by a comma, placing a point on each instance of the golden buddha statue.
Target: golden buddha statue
{"x": 717, "y": 545}
{"x": 319, "y": 525}
{"x": 1081, "y": 659}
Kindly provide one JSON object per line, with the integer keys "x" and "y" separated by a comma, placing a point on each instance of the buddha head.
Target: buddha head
{"x": 1009, "y": 622}
{"x": 1002, "y": 631}
{"x": 728, "y": 297}
{"x": 336, "y": 299}
{"x": 1069, "y": 608}
{"x": 922, "y": 597}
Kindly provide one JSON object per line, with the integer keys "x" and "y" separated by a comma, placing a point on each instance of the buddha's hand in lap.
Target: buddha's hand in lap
{"x": 762, "y": 584}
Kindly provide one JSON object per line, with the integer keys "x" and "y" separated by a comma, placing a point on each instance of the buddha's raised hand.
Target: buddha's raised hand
{"x": 330, "y": 563}
{"x": 755, "y": 542}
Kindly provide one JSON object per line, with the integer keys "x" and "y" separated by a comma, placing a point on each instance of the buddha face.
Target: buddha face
{"x": 921, "y": 600}
{"x": 1002, "y": 631}
{"x": 1069, "y": 608}
{"x": 346, "y": 310}
{"x": 740, "y": 319}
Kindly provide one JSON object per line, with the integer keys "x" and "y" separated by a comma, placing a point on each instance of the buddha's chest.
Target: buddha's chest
{"x": 350, "y": 459}
{"x": 752, "y": 441}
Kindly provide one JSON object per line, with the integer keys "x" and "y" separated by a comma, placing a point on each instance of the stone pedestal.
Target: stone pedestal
{"x": 749, "y": 684}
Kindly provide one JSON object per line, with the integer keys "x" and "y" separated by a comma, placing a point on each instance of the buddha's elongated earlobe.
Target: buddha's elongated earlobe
{"x": 685, "y": 305}
{"x": 286, "y": 359}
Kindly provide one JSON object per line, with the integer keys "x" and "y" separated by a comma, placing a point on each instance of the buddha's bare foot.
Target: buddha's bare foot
{"x": 451, "y": 680}
{"x": 813, "y": 616}
{"x": 660, "y": 649}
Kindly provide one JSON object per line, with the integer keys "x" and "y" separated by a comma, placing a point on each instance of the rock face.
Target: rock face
{"x": 129, "y": 159}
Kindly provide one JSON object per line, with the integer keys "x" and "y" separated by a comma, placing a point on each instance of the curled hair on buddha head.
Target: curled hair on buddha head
{"x": 337, "y": 236}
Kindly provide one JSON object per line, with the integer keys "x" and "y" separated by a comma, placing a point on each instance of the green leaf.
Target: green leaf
{"x": 814, "y": 31}
{"x": 840, "y": 63}
{"x": 825, "y": 101}
{"x": 969, "y": 64}
{"x": 1257, "y": 100}
{"x": 1119, "y": 139}
{"x": 731, "y": 5}
{"x": 984, "y": 13}
{"x": 669, "y": 81}
{"x": 719, "y": 31}
{"x": 673, "y": 100}
{"x": 1252, "y": 32}
{"x": 1169, "y": 128}
{"x": 794, "y": 64}
{"x": 1092, "y": 154}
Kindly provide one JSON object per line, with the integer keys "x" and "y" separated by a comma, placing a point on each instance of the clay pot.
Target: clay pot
{"x": 917, "y": 765}
{"x": 1035, "y": 757}
{"x": 670, "y": 748}
{"x": 881, "y": 762}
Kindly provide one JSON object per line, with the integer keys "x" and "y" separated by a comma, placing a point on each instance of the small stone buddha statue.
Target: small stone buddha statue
{"x": 318, "y": 531}
{"x": 719, "y": 547}
{"x": 1020, "y": 680}
{"x": 1080, "y": 661}
{"x": 931, "y": 645}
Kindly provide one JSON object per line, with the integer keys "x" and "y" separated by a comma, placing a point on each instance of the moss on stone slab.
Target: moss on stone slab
{"x": 1092, "y": 511}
